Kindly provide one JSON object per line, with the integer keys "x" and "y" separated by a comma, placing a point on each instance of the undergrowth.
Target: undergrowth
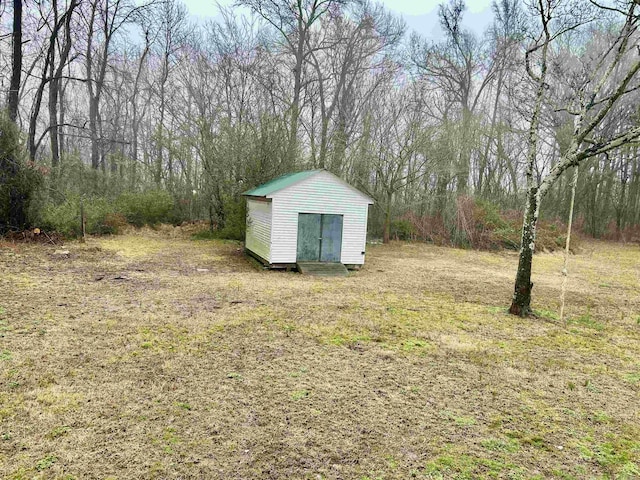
{"x": 480, "y": 225}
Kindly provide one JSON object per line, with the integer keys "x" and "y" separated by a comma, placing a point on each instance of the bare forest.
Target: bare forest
{"x": 140, "y": 114}
{"x": 166, "y": 352}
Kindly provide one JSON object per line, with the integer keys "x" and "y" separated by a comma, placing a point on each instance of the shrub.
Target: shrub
{"x": 235, "y": 220}
{"x": 403, "y": 229}
{"x": 428, "y": 228}
{"x": 627, "y": 234}
{"x": 481, "y": 225}
{"x": 18, "y": 179}
{"x": 64, "y": 218}
{"x": 147, "y": 208}
{"x": 104, "y": 216}
{"x": 115, "y": 222}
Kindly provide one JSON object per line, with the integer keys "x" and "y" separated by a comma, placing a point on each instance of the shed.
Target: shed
{"x": 310, "y": 216}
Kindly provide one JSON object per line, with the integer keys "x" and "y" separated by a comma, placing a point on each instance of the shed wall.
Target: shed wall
{"x": 321, "y": 193}
{"x": 258, "y": 236}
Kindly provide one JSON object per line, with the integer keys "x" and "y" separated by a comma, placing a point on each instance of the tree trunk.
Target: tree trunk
{"x": 95, "y": 85}
{"x": 464, "y": 159}
{"x": 521, "y": 303}
{"x": 93, "y": 128}
{"x": 16, "y": 61}
{"x": 53, "y": 123}
{"x": 55, "y": 85}
{"x": 386, "y": 231}
{"x": 621, "y": 207}
{"x": 297, "y": 88}
{"x": 61, "y": 136}
{"x": 340, "y": 144}
{"x": 485, "y": 156}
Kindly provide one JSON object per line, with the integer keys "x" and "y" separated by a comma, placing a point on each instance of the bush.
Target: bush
{"x": 235, "y": 220}
{"x": 107, "y": 217}
{"x": 65, "y": 217}
{"x": 403, "y": 229}
{"x": 18, "y": 179}
{"x": 148, "y": 208}
{"x": 481, "y": 225}
{"x": 115, "y": 222}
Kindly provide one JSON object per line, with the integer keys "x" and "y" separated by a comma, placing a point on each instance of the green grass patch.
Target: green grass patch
{"x": 600, "y": 417}
{"x": 169, "y": 440}
{"x": 461, "y": 466}
{"x": 550, "y": 314}
{"x": 632, "y": 377}
{"x": 300, "y": 394}
{"x": 413, "y": 344}
{"x": 46, "y": 462}
{"x": 58, "y": 432}
{"x": 617, "y": 456}
{"x": 301, "y": 371}
{"x": 587, "y": 321}
{"x": 458, "y": 420}
{"x": 497, "y": 310}
{"x": 509, "y": 445}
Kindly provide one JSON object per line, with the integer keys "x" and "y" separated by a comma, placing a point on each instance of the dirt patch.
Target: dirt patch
{"x": 152, "y": 356}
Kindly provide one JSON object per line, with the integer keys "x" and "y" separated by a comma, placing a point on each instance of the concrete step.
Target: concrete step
{"x": 321, "y": 269}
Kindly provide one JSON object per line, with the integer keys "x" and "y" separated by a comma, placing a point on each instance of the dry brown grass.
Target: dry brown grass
{"x": 125, "y": 361}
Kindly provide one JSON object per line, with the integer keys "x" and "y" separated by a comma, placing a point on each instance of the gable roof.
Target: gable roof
{"x": 279, "y": 183}
{"x": 289, "y": 179}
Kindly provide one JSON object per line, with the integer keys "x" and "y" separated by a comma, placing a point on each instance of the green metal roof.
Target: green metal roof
{"x": 279, "y": 183}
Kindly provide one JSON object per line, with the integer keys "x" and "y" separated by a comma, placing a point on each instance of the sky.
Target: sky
{"x": 420, "y": 15}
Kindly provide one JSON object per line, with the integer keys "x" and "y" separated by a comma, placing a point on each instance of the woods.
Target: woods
{"x": 119, "y": 101}
{"x": 299, "y": 239}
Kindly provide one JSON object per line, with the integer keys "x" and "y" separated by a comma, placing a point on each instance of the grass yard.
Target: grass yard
{"x": 150, "y": 355}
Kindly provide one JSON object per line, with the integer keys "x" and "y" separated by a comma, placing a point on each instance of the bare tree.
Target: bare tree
{"x": 603, "y": 81}
{"x": 55, "y": 23}
{"x": 454, "y": 67}
{"x": 172, "y": 33}
{"x": 55, "y": 83}
{"x": 104, "y": 20}
{"x": 294, "y": 23}
{"x": 349, "y": 51}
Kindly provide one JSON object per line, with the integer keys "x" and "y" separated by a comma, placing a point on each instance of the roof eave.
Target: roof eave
{"x": 261, "y": 198}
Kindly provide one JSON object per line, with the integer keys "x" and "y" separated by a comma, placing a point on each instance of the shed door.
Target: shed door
{"x": 319, "y": 237}
{"x": 331, "y": 243}
{"x": 309, "y": 230}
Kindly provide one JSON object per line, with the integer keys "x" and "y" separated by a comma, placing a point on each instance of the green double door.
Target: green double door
{"x": 319, "y": 237}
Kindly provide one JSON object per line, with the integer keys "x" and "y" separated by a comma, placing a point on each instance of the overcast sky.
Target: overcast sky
{"x": 420, "y": 15}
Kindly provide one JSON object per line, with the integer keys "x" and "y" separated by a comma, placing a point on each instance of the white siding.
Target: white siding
{"x": 258, "y": 238}
{"x": 321, "y": 193}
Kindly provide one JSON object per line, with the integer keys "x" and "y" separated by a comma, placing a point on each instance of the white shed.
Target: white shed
{"x": 311, "y": 216}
